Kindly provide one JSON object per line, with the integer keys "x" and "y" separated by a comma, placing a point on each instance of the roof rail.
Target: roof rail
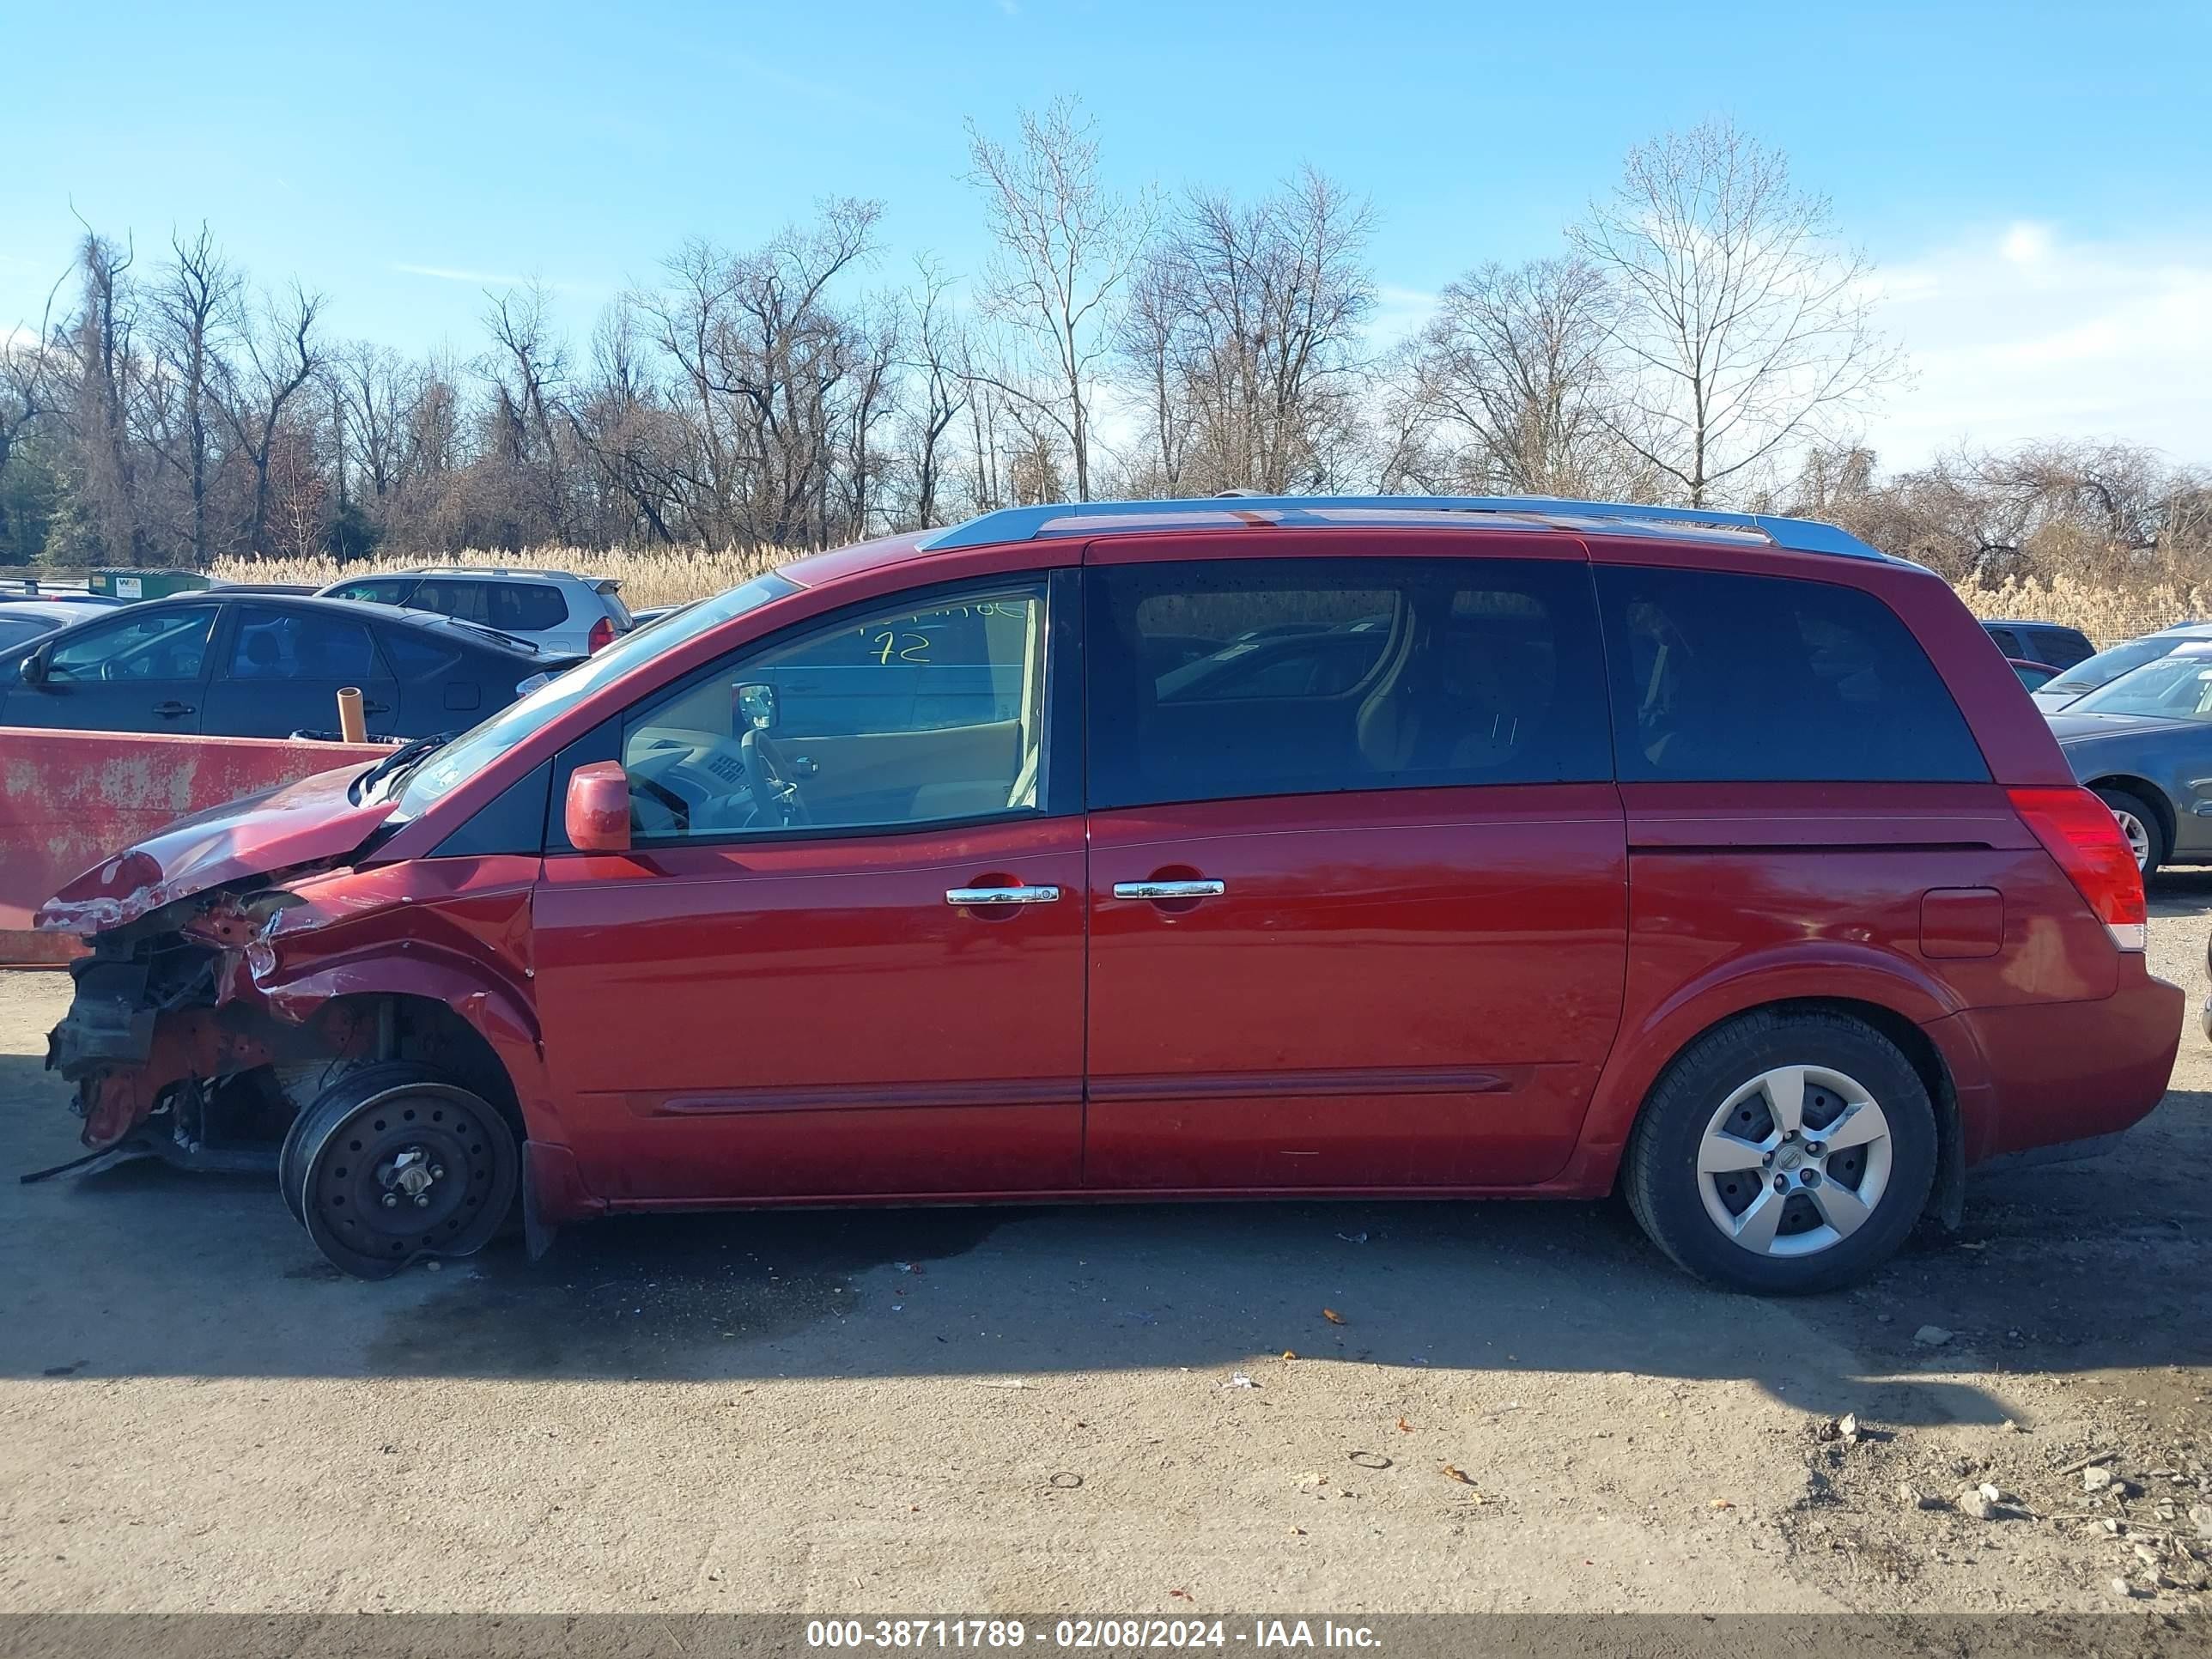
{"x": 1021, "y": 524}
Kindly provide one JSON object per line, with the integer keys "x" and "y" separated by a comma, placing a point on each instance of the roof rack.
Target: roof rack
{"x": 1021, "y": 524}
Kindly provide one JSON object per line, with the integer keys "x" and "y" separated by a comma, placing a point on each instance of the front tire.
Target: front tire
{"x": 2141, "y": 824}
{"x": 392, "y": 1163}
{"x": 1783, "y": 1153}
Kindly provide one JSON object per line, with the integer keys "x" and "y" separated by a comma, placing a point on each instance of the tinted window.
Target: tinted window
{"x": 154, "y": 644}
{"x": 2062, "y": 648}
{"x": 15, "y": 631}
{"x": 1218, "y": 679}
{"x": 299, "y": 645}
{"x": 1720, "y": 677}
{"x": 510, "y": 607}
{"x": 888, "y": 717}
{"x": 524, "y": 607}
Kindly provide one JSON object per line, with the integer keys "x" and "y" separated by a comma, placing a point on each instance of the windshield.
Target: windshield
{"x": 2093, "y": 671}
{"x": 476, "y": 749}
{"x": 2174, "y": 688}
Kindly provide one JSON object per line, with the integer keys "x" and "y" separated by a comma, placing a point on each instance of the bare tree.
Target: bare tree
{"x": 107, "y": 376}
{"x": 193, "y": 299}
{"x": 934, "y": 339}
{"x": 1512, "y": 370}
{"x": 1245, "y": 333}
{"x": 1743, "y": 328}
{"x": 280, "y": 353}
{"x": 1065, "y": 243}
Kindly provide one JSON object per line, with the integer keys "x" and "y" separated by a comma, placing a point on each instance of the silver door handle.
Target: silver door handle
{"x": 965, "y": 896}
{"x": 1169, "y": 889}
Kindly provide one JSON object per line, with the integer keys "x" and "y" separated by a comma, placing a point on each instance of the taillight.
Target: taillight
{"x": 2080, "y": 831}
{"x": 603, "y": 634}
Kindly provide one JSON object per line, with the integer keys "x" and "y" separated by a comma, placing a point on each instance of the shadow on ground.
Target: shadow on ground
{"x": 143, "y": 1271}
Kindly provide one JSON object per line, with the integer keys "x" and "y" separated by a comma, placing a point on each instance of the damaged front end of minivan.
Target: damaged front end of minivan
{"x": 262, "y": 994}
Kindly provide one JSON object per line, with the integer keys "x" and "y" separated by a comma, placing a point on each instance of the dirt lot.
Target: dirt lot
{"x": 1037, "y": 1410}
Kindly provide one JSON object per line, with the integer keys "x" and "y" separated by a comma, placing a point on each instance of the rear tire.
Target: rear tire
{"x": 393, "y": 1162}
{"x": 1822, "y": 1104}
{"x": 2141, "y": 823}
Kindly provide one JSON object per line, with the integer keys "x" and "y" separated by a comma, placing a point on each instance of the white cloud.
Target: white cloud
{"x": 2021, "y": 333}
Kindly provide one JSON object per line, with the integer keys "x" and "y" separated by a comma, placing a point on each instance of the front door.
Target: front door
{"x": 142, "y": 669}
{"x": 844, "y": 957}
{"x": 1358, "y": 893}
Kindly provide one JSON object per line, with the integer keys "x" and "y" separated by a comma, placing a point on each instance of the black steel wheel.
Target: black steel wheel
{"x": 392, "y": 1163}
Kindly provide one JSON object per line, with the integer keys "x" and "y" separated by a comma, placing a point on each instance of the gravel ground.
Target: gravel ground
{"x": 1516, "y": 1407}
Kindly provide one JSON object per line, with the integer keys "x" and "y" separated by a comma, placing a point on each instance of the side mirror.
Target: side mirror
{"x": 33, "y": 667}
{"x": 598, "y": 808}
{"x": 757, "y": 705}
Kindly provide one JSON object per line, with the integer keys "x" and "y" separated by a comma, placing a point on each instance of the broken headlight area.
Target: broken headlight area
{"x": 171, "y": 1049}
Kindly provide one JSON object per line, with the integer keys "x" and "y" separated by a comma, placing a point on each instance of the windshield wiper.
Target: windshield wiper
{"x": 396, "y": 764}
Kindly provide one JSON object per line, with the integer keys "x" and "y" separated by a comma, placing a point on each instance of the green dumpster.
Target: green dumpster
{"x": 147, "y": 584}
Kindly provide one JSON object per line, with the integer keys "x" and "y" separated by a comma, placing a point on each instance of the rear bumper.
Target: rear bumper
{"x": 2051, "y": 1073}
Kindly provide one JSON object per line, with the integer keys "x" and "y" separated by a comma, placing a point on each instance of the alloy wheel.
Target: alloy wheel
{"x": 1793, "y": 1161}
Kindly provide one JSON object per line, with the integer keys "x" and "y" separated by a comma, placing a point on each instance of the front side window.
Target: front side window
{"x": 1719, "y": 677}
{"x": 298, "y": 645}
{"x": 1214, "y": 679}
{"x": 423, "y": 784}
{"x": 891, "y": 716}
{"x": 149, "y": 645}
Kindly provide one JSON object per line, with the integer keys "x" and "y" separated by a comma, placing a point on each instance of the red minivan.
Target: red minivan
{"x": 1256, "y": 847}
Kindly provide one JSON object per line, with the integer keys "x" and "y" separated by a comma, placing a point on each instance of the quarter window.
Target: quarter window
{"x": 1214, "y": 679}
{"x": 890, "y": 717}
{"x": 1719, "y": 677}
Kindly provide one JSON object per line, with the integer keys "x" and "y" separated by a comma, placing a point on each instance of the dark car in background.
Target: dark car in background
{"x": 2039, "y": 641}
{"x": 264, "y": 666}
{"x": 2143, "y": 743}
{"x": 2082, "y": 677}
{"x": 2033, "y": 676}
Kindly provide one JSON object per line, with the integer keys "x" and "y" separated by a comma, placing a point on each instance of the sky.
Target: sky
{"x": 2032, "y": 182}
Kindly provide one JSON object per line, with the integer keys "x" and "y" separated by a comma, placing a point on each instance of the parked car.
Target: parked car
{"x": 1589, "y": 848}
{"x": 22, "y": 621}
{"x": 258, "y": 665}
{"x": 2032, "y": 674}
{"x": 568, "y": 615}
{"x": 2038, "y": 641}
{"x": 2106, "y": 666}
{"x": 2144, "y": 744}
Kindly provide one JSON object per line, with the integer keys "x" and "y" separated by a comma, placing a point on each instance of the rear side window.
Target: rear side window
{"x": 2007, "y": 641}
{"x": 293, "y": 644}
{"x": 525, "y": 607}
{"x": 1215, "y": 679}
{"x": 1719, "y": 677}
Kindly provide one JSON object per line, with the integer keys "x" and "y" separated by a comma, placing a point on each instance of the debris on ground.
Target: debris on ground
{"x": 1931, "y": 1336}
{"x": 1239, "y": 1380}
{"x": 1332, "y": 1316}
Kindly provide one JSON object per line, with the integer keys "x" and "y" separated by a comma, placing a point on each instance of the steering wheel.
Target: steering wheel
{"x": 772, "y": 790}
